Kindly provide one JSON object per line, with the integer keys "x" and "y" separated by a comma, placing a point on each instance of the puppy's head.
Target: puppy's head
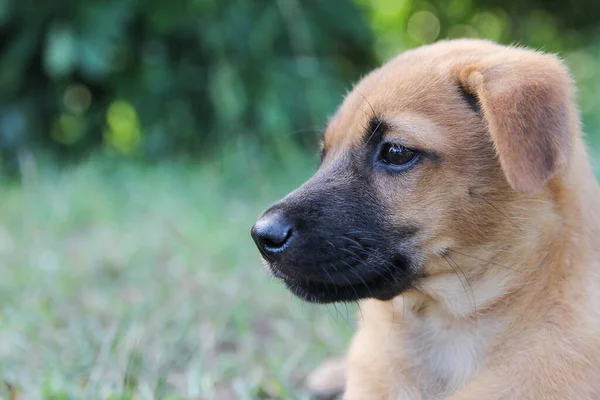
{"x": 431, "y": 154}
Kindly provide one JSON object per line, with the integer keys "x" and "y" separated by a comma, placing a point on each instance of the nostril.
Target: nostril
{"x": 277, "y": 239}
{"x": 272, "y": 233}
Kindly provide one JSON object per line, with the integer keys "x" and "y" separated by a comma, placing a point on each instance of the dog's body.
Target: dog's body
{"x": 457, "y": 202}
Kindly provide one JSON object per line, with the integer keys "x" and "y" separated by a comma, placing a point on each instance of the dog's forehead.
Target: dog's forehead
{"x": 416, "y": 83}
{"x": 385, "y": 95}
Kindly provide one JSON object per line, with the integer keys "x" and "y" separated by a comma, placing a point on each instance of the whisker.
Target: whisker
{"x": 362, "y": 281}
{"x": 447, "y": 258}
{"x": 482, "y": 260}
{"x": 362, "y": 317}
{"x": 332, "y": 265}
{"x": 351, "y": 240}
{"x": 374, "y": 131}
{"x": 352, "y": 286}
{"x": 478, "y": 196}
{"x": 347, "y": 313}
{"x": 334, "y": 317}
{"x": 353, "y": 271}
{"x": 366, "y": 114}
{"x": 370, "y": 259}
{"x": 369, "y": 103}
{"x": 378, "y": 267}
{"x": 363, "y": 235}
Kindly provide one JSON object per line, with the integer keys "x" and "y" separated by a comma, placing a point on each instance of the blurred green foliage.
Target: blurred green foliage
{"x": 548, "y": 25}
{"x": 171, "y": 77}
{"x": 161, "y": 78}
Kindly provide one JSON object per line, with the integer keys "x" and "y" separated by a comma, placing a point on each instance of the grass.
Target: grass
{"x": 123, "y": 282}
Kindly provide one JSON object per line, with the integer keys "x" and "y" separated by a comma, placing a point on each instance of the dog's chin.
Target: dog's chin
{"x": 345, "y": 289}
{"x": 323, "y": 293}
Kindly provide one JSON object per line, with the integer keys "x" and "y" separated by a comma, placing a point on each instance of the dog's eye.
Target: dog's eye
{"x": 396, "y": 154}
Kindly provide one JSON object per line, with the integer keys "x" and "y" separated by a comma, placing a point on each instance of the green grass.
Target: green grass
{"x": 123, "y": 282}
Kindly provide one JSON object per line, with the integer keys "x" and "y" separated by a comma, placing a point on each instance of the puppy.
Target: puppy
{"x": 456, "y": 202}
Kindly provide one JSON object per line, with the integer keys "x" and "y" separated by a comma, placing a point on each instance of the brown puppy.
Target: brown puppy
{"x": 456, "y": 201}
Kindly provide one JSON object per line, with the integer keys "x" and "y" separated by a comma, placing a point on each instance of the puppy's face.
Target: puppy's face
{"x": 412, "y": 162}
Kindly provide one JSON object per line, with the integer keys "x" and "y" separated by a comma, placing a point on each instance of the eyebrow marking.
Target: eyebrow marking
{"x": 375, "y": 131}
{"x": 471, "y": 100}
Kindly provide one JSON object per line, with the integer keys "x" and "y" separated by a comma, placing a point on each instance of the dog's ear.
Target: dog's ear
{"x": 526, "y": 99}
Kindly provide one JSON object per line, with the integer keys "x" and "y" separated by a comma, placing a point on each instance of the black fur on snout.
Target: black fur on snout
{"x": 342, "y": 245}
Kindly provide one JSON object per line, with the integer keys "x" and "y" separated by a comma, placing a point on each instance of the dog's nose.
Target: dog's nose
{"x": 272, "y": 233}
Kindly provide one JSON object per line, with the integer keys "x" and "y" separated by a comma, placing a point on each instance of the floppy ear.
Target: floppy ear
{"x": 526, "y": 99}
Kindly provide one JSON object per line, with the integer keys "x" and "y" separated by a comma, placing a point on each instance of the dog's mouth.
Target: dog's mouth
{"x": 348, "y": 286}
{"x": 318, "y": 292}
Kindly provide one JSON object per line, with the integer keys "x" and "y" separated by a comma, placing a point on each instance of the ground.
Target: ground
{"x": 121, "y": 281}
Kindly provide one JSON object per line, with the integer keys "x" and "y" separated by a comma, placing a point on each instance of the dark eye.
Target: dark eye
{"x": 396, "y": 154}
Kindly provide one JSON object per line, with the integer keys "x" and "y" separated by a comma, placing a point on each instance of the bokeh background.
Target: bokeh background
{"x": 139, "y": 140}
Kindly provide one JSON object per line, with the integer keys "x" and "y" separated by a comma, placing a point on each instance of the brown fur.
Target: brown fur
{"x": 510, "y": 204}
